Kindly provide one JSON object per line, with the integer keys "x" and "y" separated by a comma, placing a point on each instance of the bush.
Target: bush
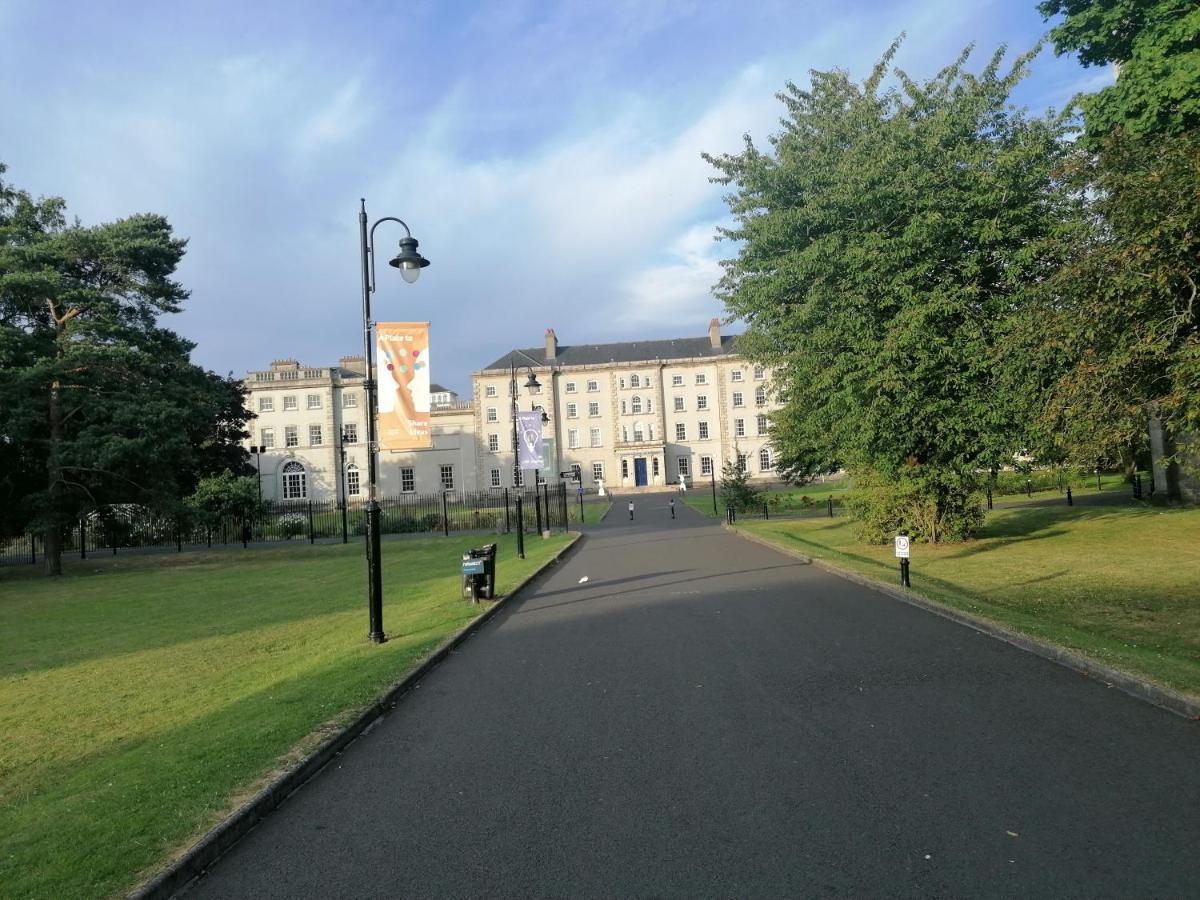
{"x": 931, "y": 506}
{"x": 292, "y": 524}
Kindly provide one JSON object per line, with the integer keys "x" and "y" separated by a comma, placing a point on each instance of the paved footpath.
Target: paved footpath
{"x": 704, "y": 717}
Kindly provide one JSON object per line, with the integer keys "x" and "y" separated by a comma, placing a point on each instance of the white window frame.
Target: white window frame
{"x": 684, "y": 466}
{"x": 595, "y": 437}
{"x": 315, "y": 431}
{"x": 489, "y": 390}
{"x": 491, "y": 414}
{"x": 680, "y": 431}
{"x": 760, "y": 372}
{"x": 295, "y": 481}
{"x": 349, "y": 432}
{"x": 738, "y": 399}
{"x": 572, "y": 410}
{"x": 676, "y": 381}
{"x": 353, "y": 481}
{"x": 493, "y": 443}
{"x": 289, "y": 403}
{"x": 635, "y": 405}
{"x": 594, "y": 409}
{"x": 702, "y": 431}
{"x": 572, "y": 438}
{"x": 570, "y": 388}
{"x": 635, "y": 381}
{"x": 593, "y": 386}
{"x": 706, "y": 465}
{"x": 760, "y": 396}
{"x": 494, "y": 478}
{"x": 266, "y": 437}
{"x": 702, "y": 401}
{"x": 761, "y": 423}
{"x": 446, "y": 476}
{"x": 597, "y": 471}
{"x": 408, "y": 474}
{"x": 291, "y": 436}
{"x": 679, "y": 404}
{"x": 313, "y": 401}
{"x": 739, "y": 427}
{"x": 266, "y": 404}
{"x": 701, "y": 378}
{"x": 764, "y": 460}
{"x": 735, "y": 375}
{"x": 349, "y": 401}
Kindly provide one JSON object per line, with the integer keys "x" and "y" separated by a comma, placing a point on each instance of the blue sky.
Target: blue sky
{"x": 546, "y": 155}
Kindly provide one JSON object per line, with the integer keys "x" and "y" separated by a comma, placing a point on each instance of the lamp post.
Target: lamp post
{"x": 258, "y": 452}
{"x": 712, "y": 471}
{"x": 537, "y": 478}
{"x": 531, "y": 383}
{"x": 410, "y": 263}
{"x": 342, "y": 483}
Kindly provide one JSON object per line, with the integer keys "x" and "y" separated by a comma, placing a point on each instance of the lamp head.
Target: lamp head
{"x": 408, "y": 260}
{"x": 532, "y": 382}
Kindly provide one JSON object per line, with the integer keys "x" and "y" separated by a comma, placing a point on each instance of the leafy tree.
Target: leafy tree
{"x": 886, "y": 241}
{"x": 736, "y": 489}
{"x": 219, "y": 496}
{"x": 98, "y": 403}
{"x": 1156, "y": 46}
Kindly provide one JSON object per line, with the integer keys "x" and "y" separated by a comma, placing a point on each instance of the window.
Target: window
{"x": 597, "y": 471}
{"x": 737, "y": 398}
{"x": 573, "y": 438}
{"x": 289, "y": 402}
{"x": 636, "y": 404}
{"x": 266, "y": 404}
{"x": 267, "y": 437}
{"x": 762, "y": 424}
{"x": 649, "y": 405}
{"x": 760, "y": 396}
{"x": 678, "y": 404}
{"x": 760, "y": 372}
{"x": 654, "y": 466}
{"x": 702, "y": 401}
{"x": 624, "y": 468}
{"x": 706, "y": 465}
{"x": 352, "y": 480}
{"x": 492, "y": 415}
{"x": 494, "y": 443}
{"x": 349, "y": 401}
{"x": 572, "y": 411}
{"x": 408, "y": 481}
{"x": 593, "y": 409}
{"x": 764, "y": 459}
{"x": 447, "y": 473}
{"x": 685, "y": 466}
{"x": 634, "y": 381}
{"x": 739, "y": 427}
{"x": 294, "y": 487}
{"x": 624, "y": 434}
{"x": 701, "y": 378}
{"x": 495, "y": 478}
{"x": 593, "y": 386}
{"x": 314, "y": 401}
{"x": 703, "y": 428}
{"x": 650, "y": 431}
{"x": 595, "y": 436}
{"x": 741, "y": 462}
{"x": 624, "y": 408}
{"x": 350, "y": 433}
{"x": 639, "y": 433}
{"x": 680, "y": 431}
{"x": 518, "y": 477}
{"x": 290, "y": 437}
{"x": 314, "y": 435}
{"x": 489, "y": 390}
{"x": 676, "y": 381}
{"x": 645, "y": 381}
{"x": 735, "y": 375}
{"x": 570, "y": 387}
{"x": 621, "y": 382}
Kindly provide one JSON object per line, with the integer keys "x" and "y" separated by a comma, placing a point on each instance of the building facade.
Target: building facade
{"x": 633, "y": 415}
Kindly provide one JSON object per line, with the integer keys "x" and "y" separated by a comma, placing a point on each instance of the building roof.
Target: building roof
{"x": 626, "y": 352}
{"x": 435, "y": 388}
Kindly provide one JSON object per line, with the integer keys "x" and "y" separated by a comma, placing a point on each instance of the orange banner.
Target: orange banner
{"x": 403, "y": 385}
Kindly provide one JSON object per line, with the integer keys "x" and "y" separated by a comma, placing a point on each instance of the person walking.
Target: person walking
{"x": 672, "y": 507}
{"x": 630, "y": 510}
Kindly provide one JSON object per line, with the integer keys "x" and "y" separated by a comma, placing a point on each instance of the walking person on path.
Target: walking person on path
{"x": 672, "y": 507}
{"x": 630, "y": 510}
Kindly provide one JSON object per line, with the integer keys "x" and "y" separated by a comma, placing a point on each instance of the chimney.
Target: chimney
{"x": 714, "y": 334}
{"x": 355, "y": 364}
{"x": 551, "y": 345}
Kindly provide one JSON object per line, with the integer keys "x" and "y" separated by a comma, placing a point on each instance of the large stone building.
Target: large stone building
{"x": 635, "y": 415}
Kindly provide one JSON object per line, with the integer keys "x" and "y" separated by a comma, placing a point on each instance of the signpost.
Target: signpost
{"x": 902, "y": 554}
{"x": 575, "y": 474}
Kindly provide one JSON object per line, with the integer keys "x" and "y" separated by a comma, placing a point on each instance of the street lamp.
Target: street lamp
{"x": 531, "y": 383}
{"x": 410, "y": 263}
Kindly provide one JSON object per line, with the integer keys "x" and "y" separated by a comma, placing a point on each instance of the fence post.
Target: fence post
{"x": 507, "y": 522}
{"x": 520, "y": 529}
{"x": 562, "y": 493}
{"x": 345, "y": 525}
{"x": 829, "y": 503}
{"x": 445, "y": 515}
{"x": 766, "y": 510}
{"x": 1070, "y": 502}
{"x": 312, "y": 538}
{"x": 82, "y": 537}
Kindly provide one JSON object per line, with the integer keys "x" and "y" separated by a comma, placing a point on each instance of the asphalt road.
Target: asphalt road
{"x": 704, "y": 717}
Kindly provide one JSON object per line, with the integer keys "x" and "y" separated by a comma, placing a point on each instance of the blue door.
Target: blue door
{"x": 639, "y": 471}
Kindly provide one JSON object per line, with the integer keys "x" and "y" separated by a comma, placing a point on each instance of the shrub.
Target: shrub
{"x": 932, "y": 506}
{"x": 292, "y": 524}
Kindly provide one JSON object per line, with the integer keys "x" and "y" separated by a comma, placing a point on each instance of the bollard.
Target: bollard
{"x": 1070, "y": 501}
{"x": 507, "y": 521}
{"x": 672, "y": 507}
{"x": 520, "y": 529}
{"x": 766, "y": 511}
{"x": 312, "y": 538}
{"x": 445, "y": 516}
{"x": 829, "y": 503}
{"x": 989, "y": 496}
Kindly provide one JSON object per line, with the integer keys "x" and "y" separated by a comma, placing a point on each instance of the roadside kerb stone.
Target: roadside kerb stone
{"x": 228, "y": 832}
{"x": 1148, "y": 691}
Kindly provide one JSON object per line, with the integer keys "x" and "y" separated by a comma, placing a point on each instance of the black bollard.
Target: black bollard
{"x": 829, "y": 503}
{"x": 989, "y": 496}
{"x": 1070, "y": 501}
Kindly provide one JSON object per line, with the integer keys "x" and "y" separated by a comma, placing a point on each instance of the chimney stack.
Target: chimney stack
{"x": 551, "y": 345}
{"x": 714, "y": 334}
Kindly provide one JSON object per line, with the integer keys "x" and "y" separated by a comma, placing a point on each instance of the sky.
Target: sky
{"x": 546, "y": 155}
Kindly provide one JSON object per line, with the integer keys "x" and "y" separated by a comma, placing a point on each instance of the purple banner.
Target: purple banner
{"x": 529, "y": 439}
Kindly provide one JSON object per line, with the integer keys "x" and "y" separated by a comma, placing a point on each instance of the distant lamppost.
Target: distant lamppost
{"x": 258, "y": 452}
{"x": 537, "y": 479}
{"x": 531, "y": 383}
{"x": 345, "y": 500}
{"x": 410, "y": 263}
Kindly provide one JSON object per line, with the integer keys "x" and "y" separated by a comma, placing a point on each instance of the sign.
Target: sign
{"x": 549, "y": 457}
{"x": 402, "y": 379}
{"x": 902, "y": 546}
{"x": 529, "y": 440}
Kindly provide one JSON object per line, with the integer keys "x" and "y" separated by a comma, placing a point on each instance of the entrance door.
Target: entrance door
{"x": 639, "y": 471}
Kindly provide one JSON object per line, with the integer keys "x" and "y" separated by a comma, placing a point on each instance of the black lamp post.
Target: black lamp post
{"x": 537, "y": 478}
{"x": 258, "y": 451}
{"x": 531, "y": 383}
{"x": 410, "y": 263}
{"x": 342, "y": 484}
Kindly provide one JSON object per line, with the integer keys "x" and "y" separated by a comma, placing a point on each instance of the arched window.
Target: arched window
{"x": 294, "y": 486}
{"x": 352, "y": 482}
{"x": 764, "y": 460}
{"x": 636, "y": 405}
{"x": 635, "y": 381}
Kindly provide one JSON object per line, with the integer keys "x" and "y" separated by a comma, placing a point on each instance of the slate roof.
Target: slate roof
{"x": 435, "y": 388}
{"x": 626, "y": 352}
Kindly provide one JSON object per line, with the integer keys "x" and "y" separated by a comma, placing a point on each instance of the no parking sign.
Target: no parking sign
{"x": 902, "y": 546}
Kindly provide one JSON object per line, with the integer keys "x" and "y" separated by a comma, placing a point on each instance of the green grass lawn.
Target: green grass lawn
{"x": 141, "y": 696}
{"x": 1119, "y": 583}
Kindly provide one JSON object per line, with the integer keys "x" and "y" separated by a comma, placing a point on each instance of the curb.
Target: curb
{"x": 1147, "y": 691}
{"x": 201, "y": 855}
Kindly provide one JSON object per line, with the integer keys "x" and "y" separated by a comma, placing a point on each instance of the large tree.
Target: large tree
{"x": 98, "y": 402}
{"x": 886, "y": 241}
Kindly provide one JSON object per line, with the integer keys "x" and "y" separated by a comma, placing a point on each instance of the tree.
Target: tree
{"x": 226, "y": 494}
{"x": 98, "y": 403}
{"x": 736, "y": 489}
{"x": 885, "y": 243}
{"x": 1156, "y": 46}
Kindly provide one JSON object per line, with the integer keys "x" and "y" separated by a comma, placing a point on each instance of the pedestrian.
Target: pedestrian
{"x": 630, "y": 510}
{"x": 672, "y": 507}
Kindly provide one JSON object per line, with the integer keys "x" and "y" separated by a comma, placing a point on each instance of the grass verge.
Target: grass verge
{"x": 1118, "y": 583}
{"x": 141, "y": 697}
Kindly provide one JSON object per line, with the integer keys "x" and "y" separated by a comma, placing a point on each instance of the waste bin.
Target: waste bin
{"x": 479, "y": 573}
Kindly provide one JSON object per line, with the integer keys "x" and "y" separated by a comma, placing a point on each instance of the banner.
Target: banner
{"x": 402, "y": 382}
{"x": 529, "y": 440}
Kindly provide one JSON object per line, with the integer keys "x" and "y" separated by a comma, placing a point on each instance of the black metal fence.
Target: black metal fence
{"x": 112, "y": 529}
{"x": 827, "y": 508}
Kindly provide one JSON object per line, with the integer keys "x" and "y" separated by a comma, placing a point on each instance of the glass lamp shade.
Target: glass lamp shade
{"x": 410, "y": 271}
